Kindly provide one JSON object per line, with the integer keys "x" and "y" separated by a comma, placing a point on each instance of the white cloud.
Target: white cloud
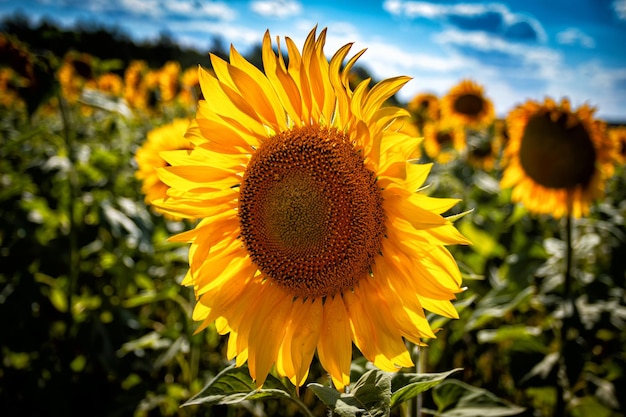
{"x": 217, "y": 10}
{"x": 573, "y": 36}
{"x": 242, "y": 36}
{"x": 142, "y": 7}
{"x": 416, "y": 9}
{"x": 179, "y": 7}
{"x": 543, "y": 59}
{"x": 276, "y": 8}
{"x": 620, "y": 8}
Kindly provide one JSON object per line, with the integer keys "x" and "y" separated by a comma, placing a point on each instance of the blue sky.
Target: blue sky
{"x": 517, "y": 49}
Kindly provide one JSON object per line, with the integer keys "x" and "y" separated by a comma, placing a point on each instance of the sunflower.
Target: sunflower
{"x": 136, "y": 91}
{"x": 311, "y": 234}
{"x": 424, "y": 108}
{"x": 482, "y": 148}
{"x": 466, "y": 105}
{"x": 76, "y": 73}
{"x": 617, "y": 136}
{"x": 443, "y": 143}
{"x": 190, "y": 87}
{"x": 555, "y": 154}
{"x": 168, "y": 81}
{"x": 9, "y": 96}
{"x": 111, "y": 84}
{"x": 149, "y": 156}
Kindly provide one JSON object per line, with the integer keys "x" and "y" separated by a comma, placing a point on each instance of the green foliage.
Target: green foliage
{"x": 234, "y": 385}
{"x": 457, "y": 399}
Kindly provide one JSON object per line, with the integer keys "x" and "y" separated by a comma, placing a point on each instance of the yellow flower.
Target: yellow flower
{"x": 111, "y": 83}
{"x": 482, "y": 149}
{"x": 9, "y": 96}
{"x": 136, "y": 92}
{"x": 150, "y": 156}
{"x": 443, "y": 143}
{"x": 312, "y": 236}
{"x": 76, "y": 73}
{"x": 466, "y": 105}
{"x": 554, "y": 154}
{"x": 424, "y": 108}
{"x": 168, "y": 80}
{"x": 617, "y": 136}
{"x": 190, "y": 87}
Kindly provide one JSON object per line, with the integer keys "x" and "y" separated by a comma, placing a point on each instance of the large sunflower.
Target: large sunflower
{"x": 312, "y": 236}
{"x": 150, "y": 156}
{"x": 466, "y": 105}
{"x": 555, "y": 155}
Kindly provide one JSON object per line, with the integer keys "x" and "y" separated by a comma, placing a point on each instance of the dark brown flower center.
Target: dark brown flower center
{"x": 444, "y": 139}
{"x": 556, "y": 155}
{"x": 469, "y": 104}
{"x": 310, "y": 212}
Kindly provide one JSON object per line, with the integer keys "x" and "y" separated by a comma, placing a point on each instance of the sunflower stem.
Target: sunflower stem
{"x": 568, "y": 309}
{"x": 419, "y": 358}
{"x": 302, "y": 406}
{"x": 73, "y": 272}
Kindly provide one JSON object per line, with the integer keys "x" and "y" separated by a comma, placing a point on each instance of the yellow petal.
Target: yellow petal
{"x": 334, "y": 348}
{"x": 267, "y": 331}
{"x": 373, "y": 332}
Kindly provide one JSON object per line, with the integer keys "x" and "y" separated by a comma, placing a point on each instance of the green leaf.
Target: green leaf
{"x": 484, "y": 243}
{"x": 590, "y": 406}
{"x": 405, "y": 386}
{"x": 524, "y": 338}
{"x": 233, "y": 385}
{"x": 328, "y": 395}
{"x": 458, "y": 216}
{"x": 458, "y": 399}
{"x": 370, "y": 396}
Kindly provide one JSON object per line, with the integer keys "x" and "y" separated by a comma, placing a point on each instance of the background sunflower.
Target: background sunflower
{"x": 555, "y": 156}
{"x": 466, "y": 105}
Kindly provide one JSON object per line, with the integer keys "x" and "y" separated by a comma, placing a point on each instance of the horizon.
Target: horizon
{"x": 516, "y": 50}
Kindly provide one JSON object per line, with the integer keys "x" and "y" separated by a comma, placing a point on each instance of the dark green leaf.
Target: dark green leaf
{"x": 458, "y": 399}
{"x": 524, "y": 338}
{"x": 370, "y": 396}
{"x": 234, "y": 385}
{"x": 405, "y": 386}
{"x": 327, "y": 395}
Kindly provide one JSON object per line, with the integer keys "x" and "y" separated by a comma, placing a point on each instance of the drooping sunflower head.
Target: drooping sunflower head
{"x": 555, "y": 157}
{"x": 311, "y": 236}
{"x": 153, "y": 153}
{"x": 466, "y": 105}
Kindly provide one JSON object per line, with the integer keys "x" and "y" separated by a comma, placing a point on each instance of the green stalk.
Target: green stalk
{"x": 74, "y": 255}
{"x": 419, "y": 358}
{"x": 568, "y": 306}
{"x": 73, "y": 272}
{"x": 302, "y": 406}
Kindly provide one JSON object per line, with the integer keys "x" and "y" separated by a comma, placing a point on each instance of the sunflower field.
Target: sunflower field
{"x": 481, "y": 270}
